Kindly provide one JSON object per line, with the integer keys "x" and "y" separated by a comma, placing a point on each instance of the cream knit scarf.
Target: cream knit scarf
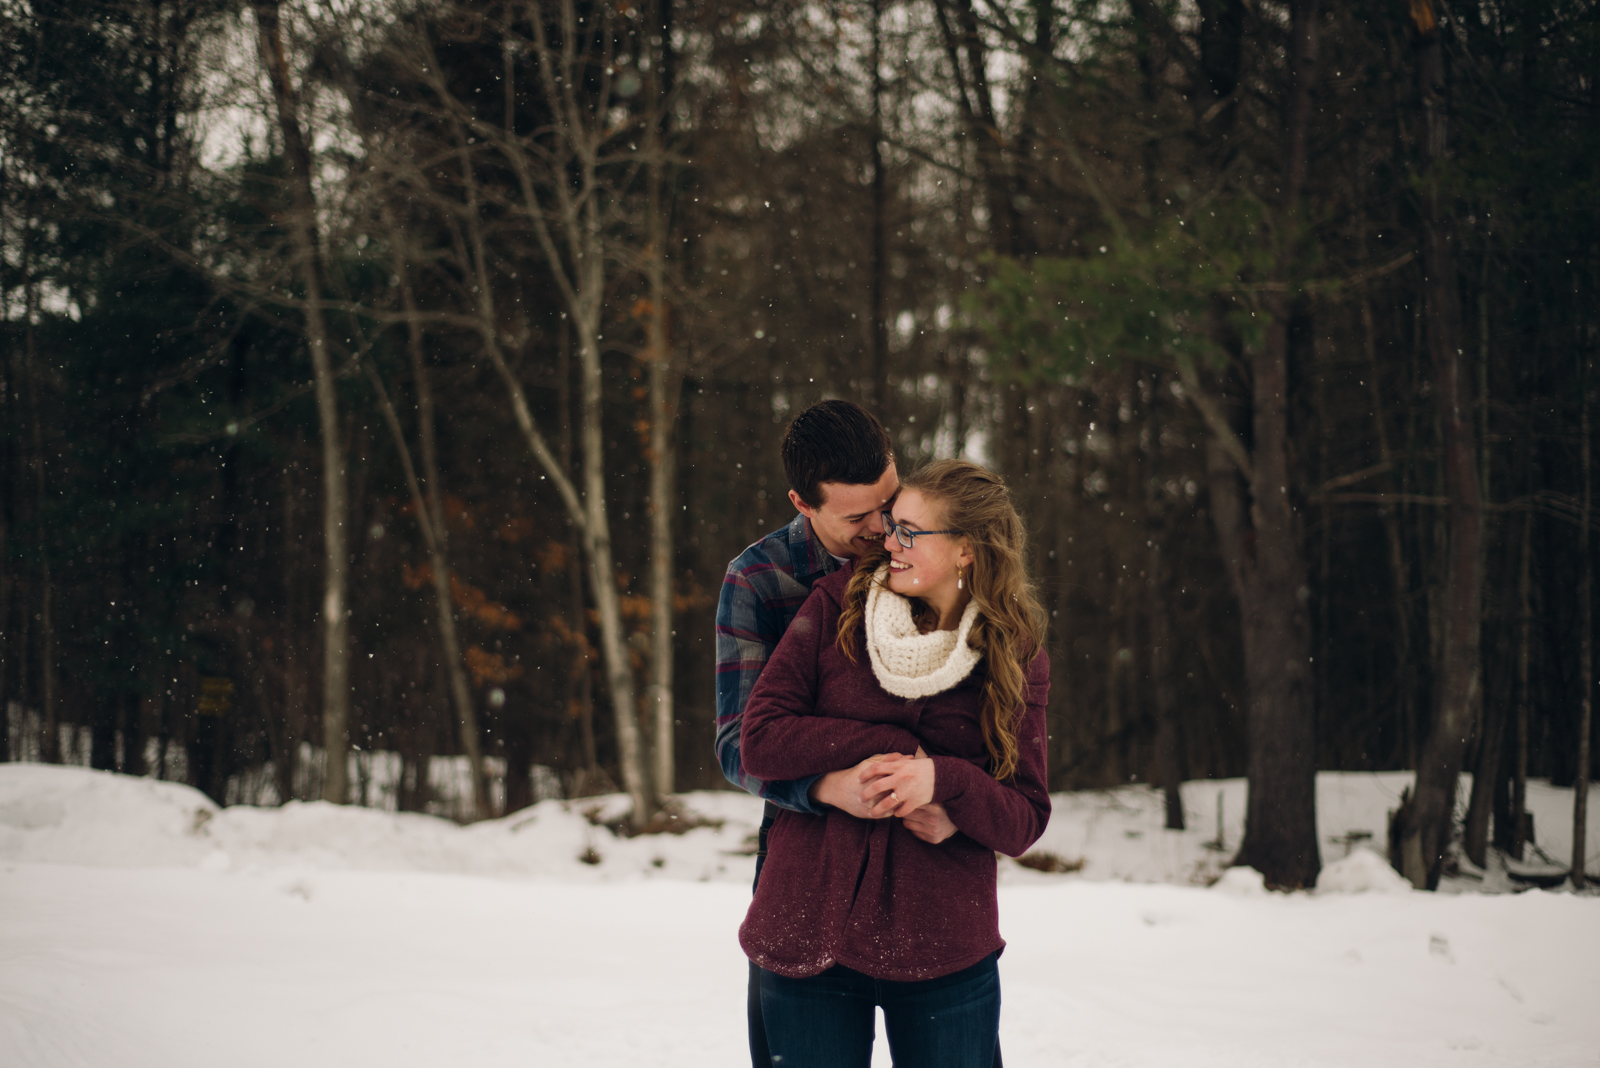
{"x": 909, "y": 664}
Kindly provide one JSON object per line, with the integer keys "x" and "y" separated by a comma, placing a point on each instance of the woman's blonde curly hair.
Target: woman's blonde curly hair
{"x": 1010, "y": 627}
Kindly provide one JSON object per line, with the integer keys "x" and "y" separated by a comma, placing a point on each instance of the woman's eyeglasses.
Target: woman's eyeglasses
{"x": 905, "y": 535}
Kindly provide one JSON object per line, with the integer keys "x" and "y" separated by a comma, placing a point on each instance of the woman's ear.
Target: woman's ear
{"x": 964, "y": 555}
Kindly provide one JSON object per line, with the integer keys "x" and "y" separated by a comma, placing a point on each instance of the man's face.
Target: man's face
{"x": 848, "y": 521}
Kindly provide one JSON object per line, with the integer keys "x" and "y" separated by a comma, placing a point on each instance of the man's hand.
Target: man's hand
{"x": 843, "y": 789}
{"x": 930, "y": 823}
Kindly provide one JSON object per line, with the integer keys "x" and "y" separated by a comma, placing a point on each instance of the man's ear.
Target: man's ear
{"x": 801, "y": 506}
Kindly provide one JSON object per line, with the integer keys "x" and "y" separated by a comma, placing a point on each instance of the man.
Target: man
{"x": 841, "y": 473}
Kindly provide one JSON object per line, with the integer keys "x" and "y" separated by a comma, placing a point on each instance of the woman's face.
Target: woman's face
{"x": 928, "y": 568}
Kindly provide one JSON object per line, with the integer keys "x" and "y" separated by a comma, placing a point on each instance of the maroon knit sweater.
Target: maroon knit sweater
{"x": 869, "y": 894}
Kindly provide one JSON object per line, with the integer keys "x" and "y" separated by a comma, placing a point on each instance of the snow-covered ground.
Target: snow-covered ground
{"x": 140, "y": 925}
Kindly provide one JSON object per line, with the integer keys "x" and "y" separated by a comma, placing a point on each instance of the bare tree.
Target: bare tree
{"x": 568, "y": 176}
{"x": 427, "y": 499}
{"x": 302, "y": 222}
{"x": 664, "y": 385}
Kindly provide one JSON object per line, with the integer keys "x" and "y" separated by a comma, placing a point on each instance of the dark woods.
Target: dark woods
{"x": 386, "y": 386}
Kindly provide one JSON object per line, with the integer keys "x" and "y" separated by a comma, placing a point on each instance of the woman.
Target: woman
{"x": 931, "y": 650}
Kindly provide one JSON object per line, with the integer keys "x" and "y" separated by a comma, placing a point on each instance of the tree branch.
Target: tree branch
{"x": 1216, "y": 421}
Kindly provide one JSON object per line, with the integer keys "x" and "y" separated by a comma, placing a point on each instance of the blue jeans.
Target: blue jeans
{"x": 826, "y": 1021}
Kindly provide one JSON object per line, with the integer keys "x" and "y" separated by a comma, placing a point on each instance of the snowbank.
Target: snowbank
{"x": 1360, "y": 872}
{"x": 145, "y": 928}
{"x": 62, "y": 815}
{"x": 67, "y": 815}
{"x": 1241, "y": 882}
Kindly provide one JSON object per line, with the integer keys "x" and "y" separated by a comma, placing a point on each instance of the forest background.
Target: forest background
{"x": 386, "y": 386}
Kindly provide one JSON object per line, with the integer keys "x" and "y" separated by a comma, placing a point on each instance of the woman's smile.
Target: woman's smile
{"x": 931, "y": 567}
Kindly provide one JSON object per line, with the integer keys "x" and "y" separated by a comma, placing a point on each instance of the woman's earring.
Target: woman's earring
{"x": 959, "y": 576}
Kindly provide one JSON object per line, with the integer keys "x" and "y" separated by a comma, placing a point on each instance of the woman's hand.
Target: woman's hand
{"x": 867, "y": 791}
{"x": 845, "y": 789}
{"x": 898, "y": 785}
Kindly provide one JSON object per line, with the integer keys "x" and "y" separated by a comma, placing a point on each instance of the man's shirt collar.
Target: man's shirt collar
{"x": 806, "y": 551}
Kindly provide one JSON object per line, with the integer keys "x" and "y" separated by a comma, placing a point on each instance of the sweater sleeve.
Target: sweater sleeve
{"x": 783, "y": 736}
{"x": 1009, "y": 816}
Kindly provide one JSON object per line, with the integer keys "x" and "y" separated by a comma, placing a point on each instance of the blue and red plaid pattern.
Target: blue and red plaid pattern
{"x": 761, "y": 593}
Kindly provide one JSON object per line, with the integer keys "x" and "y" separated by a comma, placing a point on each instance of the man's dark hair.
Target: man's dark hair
{"x": 834, "y": 441}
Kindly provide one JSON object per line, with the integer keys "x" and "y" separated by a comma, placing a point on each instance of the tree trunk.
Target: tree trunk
{"x": 287, "y": 758}
{"x": 9, "y": 414}
{"x": 1280, "y": 838}
{"x": 1168, "y": 748}
{"x": 1399, "y": 574}
{"x": 580, "y": 688}
{"x": 879, "y": 266}
{"x": 1426, "y": 822}
{"x": 433, "y": 523}
{"x": 560, "y": 187}
{"x": 335, "y": 503}
{"x": 1111, "y": 742}
{"x": 439, "y": 558}
{"x": 133, "y": 735}
{"x": 1514, "y": 835}
{"x": 589, "y": 513}
{"x": 1221, "y": 45}
{"x": 663, "y": 394}
{"x": 1489, "y": 773}
{"x": 1486, "y": 778}
{"x": 580, "y": 277}
{"x": 1169, "y": 751}
{"x": 581, "y": 684}
{"x": 962, "y": 37}
{"x": 597, "y": 536}
{"x": 49, "y": 728}
{"x": 103, "y": 732}
{"x": 663, "y": 415}
{"x": 1580, "y": 787}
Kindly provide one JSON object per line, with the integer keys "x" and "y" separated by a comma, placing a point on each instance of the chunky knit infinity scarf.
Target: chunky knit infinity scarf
{"x": 907, "y": 663}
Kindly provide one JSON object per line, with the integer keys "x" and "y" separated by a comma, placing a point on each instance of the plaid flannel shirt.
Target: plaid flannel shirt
{"x": 761, "y": 593}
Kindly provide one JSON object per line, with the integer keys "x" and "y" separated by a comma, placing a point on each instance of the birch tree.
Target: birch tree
{"x": 664, "y": 383}
{"x": 569, "y": 169}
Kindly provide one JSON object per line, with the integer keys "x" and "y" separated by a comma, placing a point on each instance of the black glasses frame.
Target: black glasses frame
{"x": 904, "y": 534}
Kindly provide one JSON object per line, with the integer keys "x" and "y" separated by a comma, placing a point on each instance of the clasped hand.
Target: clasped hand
{"x": 890, "y": 785}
